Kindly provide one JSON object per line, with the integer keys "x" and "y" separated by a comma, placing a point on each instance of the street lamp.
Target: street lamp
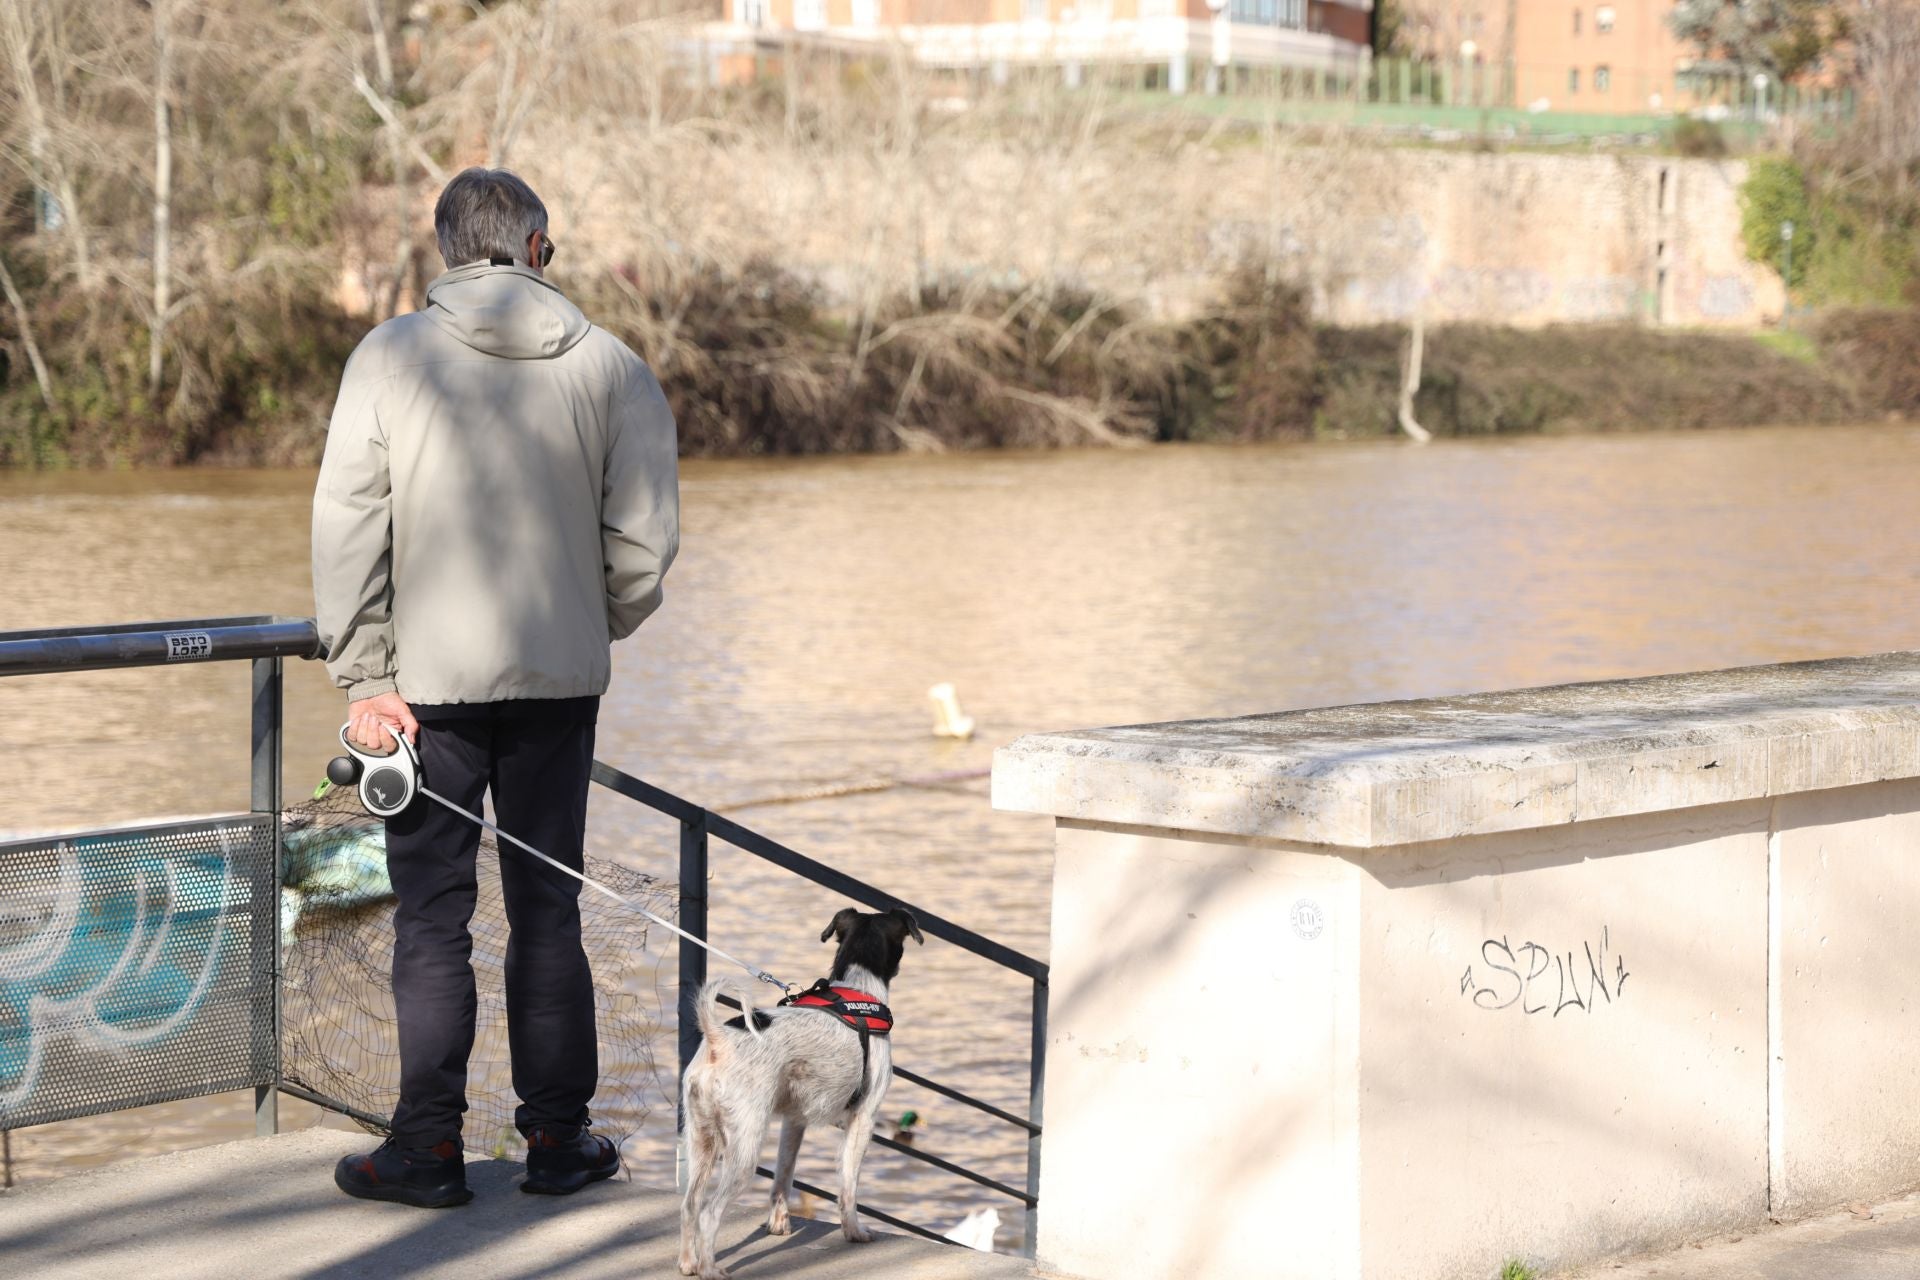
{"x": 1786, "y": 272}
{"x": 1222, "y": 46}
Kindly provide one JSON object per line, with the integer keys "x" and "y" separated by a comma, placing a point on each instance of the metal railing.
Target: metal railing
{"x": 266, "y": 642}
{"x": 697, "y": 826}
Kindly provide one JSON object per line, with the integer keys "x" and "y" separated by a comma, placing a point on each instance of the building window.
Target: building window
{"x": 753, "y": 13}
{"x": 1602, "y": 79}
{"x": 1603, "y": 19}
{"x": 866, "y": 13}
{"x": 809, "y": 15}
{"x": 1033, "y": 10}
{"x": 1268, "y": 13}
{"x": 1576, "y": 22}
{"x": 1573, "y": 80}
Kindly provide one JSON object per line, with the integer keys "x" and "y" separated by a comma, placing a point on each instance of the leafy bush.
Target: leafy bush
{"x": 1775, "y": 193}
{"x": 1864, "y": 249}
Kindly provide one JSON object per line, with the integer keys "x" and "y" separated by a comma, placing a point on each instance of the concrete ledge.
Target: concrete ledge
{"x": 1406, "y": 772}
{"x": 268, "y": 1208}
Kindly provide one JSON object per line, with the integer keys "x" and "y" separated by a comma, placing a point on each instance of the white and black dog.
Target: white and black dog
{"x": 822, "y": 1057}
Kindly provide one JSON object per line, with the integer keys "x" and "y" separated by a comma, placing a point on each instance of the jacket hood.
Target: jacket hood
{"x": 505, "y": 311}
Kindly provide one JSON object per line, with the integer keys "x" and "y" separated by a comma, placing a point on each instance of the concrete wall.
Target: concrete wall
{"x": 1400, "y": 992}
{"x": 1206, "y": 1059}
{"x": 1557, "y": 1060}
{"x": 1848, "y": 1086}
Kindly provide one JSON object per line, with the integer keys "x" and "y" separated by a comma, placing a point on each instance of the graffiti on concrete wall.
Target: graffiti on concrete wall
{"x": 1536, "y": 979}
{"x": 105, "y": 946}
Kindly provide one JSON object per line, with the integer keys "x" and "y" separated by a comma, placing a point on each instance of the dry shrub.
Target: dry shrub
{"x": 1876, "y": 355}
{"x": 254, "y": 371}
{"x": 1482, "y": 380}
{"x": 753, "y": 363}
{"x": 1254, "y": 364}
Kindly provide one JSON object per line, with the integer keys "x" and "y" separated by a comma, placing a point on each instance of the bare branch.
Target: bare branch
{"x": 384, "y": 110}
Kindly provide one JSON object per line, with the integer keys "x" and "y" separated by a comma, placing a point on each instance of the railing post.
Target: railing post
{"x": 268, "y": 723}
{"x": 693, "y": 960}
{"x": 1036, "y": 1096}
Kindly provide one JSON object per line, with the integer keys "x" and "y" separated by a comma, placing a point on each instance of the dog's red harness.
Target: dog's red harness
{"x": 855, "y": 1008}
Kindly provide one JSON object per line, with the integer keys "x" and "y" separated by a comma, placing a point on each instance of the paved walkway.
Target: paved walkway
{"x": 267, "y": 1208}
{"x": 1836, "y": 1246}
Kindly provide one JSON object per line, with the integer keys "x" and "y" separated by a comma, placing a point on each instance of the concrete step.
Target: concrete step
{"x": 267, "y": 1208}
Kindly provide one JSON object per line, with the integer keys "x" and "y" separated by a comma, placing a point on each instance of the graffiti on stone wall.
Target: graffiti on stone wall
{"x": 1725, "y": 298}
{"x": 113, "y": 950}
{"x": 1536, "y": 979}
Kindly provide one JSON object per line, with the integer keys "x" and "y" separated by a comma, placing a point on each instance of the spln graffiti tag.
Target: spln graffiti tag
{"x": 1523, "y": 977}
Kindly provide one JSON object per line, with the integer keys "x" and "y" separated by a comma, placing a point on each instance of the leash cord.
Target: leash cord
{"x": 593, "y": 884}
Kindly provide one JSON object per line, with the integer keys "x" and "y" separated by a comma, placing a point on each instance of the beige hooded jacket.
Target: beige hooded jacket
{"x": 498, "y": 502}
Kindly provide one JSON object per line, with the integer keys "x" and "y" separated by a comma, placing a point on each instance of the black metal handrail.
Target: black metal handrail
{"x": 697, "y": 824}
{"x": 153, "y": 644}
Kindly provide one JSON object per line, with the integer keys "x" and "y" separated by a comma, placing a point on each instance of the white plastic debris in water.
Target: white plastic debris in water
{"x": 948, "y": 720}
{"x": 976, "y": 1231}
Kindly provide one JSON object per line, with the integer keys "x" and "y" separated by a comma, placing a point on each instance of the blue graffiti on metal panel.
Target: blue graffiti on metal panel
{"x": 127, "y": 948}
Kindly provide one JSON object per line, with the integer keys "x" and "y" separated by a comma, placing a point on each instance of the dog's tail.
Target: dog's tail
{"x": 710, "y": 1023}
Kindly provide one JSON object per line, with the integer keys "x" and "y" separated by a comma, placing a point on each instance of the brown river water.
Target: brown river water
{"x": 816, "y": 601}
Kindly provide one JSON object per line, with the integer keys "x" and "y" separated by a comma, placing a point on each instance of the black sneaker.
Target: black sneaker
{"x": 433, "y": 1178}
{"x": 561, "y": 1159}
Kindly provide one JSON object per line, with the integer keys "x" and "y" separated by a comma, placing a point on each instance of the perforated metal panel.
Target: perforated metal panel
{"x": 136, "y": 966}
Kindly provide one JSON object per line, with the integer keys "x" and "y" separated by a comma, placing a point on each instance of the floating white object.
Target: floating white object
{"x": 948, "y": 720}
{"x": 977, "y": 1229}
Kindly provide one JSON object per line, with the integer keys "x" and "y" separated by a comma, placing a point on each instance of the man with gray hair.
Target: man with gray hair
{"x": 498, "y": 503}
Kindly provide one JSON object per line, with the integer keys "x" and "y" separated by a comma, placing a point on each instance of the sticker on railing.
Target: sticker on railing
{"x": 186, "y": 646}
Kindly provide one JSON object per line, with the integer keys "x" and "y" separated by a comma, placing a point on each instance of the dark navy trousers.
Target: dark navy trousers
{"x": 534, "y": 756}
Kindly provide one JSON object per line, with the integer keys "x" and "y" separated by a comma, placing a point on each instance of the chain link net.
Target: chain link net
{"x": 339, "y": 1038}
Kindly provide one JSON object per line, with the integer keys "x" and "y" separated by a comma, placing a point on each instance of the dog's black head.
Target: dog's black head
{"x": 871, "y": 942}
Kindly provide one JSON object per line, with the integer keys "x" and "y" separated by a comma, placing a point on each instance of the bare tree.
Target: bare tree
{"x": 1887, "y": 56}
{"x": 21, "y": 35}
{"x": 515, "y": 96}
{"x": 162, "y": 191}
{"x": 398, "y": 156}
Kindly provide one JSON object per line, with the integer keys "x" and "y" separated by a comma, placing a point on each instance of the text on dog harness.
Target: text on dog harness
{"x": 855, "y": 1008}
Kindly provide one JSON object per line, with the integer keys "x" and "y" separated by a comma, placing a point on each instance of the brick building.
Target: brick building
{"x": 1620, "y": 56}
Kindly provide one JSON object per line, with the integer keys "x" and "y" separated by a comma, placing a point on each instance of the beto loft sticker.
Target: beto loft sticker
{"x": 187, "y": 646}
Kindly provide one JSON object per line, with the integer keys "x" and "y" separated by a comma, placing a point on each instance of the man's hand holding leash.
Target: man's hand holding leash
{"x": 374, "y": 722}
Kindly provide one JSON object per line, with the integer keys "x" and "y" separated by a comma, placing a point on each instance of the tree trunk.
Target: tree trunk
{"x": 162, "y": 192}
{"x": 1416, "y": 347}
{"x": 402, "y": 166}
{"x": 26, "y": 334}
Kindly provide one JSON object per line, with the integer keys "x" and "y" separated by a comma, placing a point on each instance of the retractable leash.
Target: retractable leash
{"x": 388, "y": 783}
